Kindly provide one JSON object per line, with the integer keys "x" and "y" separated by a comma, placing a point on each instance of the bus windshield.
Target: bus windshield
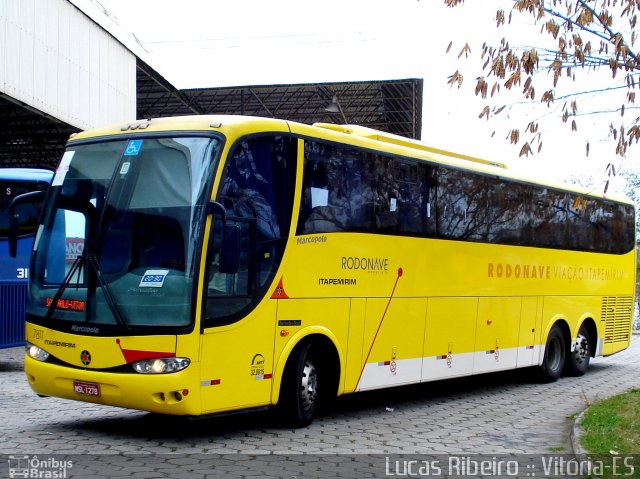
{"x": 117, "y": 248}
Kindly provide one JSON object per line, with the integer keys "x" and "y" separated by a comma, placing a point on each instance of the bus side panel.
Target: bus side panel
{"x": 296, "y": 318}
{"x": 572, "y": 310}
{"x": 237, "y": 362}
{"x": 497, "y": 334}
{"x": 355, "y": 355}
{"x": 450, "y": 335}
{"x": 393, "y": 342}
{"x": 529, "y": 342}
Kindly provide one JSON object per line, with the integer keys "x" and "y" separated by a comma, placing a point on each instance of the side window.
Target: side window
{"x": 350, "y": 190}
{"x": 462, "y": 205}
{"x": 602, "y": 226}
{"x": 580, "y": 234}
{"x": 256, "y": 189}
{"x": 337, "y": 192}
{"x": 415, "y": 189}
{"x": 623, "y": 229}
{"x": 509, "y": 212}
{"x": 344, "y": 189}
{"x": 386, "y": 196}
{"x": 549, "y": 223}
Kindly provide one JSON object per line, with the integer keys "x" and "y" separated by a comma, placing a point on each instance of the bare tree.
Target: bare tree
{"x": 584, "y": 35}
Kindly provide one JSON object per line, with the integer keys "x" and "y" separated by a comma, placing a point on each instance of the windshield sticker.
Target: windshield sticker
{"x": 125, "y": 168}
{"x": 63, "y": 168}
{"x": 153, "y": 278}
{"x": 133, "y": 148}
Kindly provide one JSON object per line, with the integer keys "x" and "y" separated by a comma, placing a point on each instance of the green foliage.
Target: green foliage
{"x": 612, "y": 429}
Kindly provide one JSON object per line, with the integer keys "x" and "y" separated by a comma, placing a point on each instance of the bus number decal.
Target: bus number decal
{"x": 22, "y": 273}
{"x": 153, "y": 278}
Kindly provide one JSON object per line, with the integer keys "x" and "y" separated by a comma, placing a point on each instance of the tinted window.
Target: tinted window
{"x": 338, "y": 193}
{"x": 414, "y": 186}
{"x": 256, "y": 189}
{"x": 510, "y": 211}
{"x": 462, "y": 206}
{"x": 345, "y": 189}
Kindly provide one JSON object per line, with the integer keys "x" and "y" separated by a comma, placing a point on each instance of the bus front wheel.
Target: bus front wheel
{"x": 554, "y": 355}
{"x": 300, "y": 385}
{"x": 578, "y": 359}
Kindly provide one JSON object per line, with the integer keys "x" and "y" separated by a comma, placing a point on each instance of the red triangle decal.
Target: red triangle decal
{"x": 279, "y": 292}
{"x": 133, "y": 355}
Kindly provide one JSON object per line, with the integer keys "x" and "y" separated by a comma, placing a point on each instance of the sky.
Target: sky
{"x": 205, "y": 43}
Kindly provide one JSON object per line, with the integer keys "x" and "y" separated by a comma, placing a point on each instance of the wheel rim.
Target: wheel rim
{"x": 309, "y": 386}
{"x": 581, "y": 350}
{"x": 554, "y": 358}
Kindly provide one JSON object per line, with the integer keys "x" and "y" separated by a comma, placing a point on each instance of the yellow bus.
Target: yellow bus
{"x": 226, "y": 263}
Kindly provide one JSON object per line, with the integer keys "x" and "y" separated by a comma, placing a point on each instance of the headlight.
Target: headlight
{"x": 161, "y": 365}
{"x": 37, "y": 353}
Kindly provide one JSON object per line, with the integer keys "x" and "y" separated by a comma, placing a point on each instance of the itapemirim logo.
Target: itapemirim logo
{"x": 38, "y": 468}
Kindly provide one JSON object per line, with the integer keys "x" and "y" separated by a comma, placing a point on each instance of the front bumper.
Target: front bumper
{"x": 176, "y": 393}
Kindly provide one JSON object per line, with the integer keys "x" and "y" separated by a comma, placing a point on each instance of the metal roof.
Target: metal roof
{"x": 31, "y": 138}
{"x": 394, "y": 106}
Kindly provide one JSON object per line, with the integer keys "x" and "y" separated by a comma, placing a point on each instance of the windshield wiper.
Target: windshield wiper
{"x": 108, "y": 296}
{"x": 76, "y": 266}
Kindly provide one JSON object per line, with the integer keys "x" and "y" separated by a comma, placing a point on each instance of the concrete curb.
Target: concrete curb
{"x": 574, "y": 436}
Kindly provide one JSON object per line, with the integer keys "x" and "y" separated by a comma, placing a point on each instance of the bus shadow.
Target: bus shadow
{"x": 10, "y": 366}
{"x": 241, "y": 425}
{"x": 12, "y": 360}
{"x": 255, "y": 426}
{"x": 427, "y": 393}
{"x": 153, "y": 426}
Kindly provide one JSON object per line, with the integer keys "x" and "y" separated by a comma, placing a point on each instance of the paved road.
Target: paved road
{"x": 499, "y": 414}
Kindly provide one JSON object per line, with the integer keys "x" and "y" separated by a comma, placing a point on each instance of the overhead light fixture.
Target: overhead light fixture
{"x": 334, "y": 107}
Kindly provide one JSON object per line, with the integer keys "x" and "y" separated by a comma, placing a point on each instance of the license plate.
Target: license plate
{"x": 87, "y": 389}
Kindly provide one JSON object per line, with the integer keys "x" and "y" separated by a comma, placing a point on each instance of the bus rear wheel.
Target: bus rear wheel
{"x": 300, "y": 386}
{"x": 578, "y": 359}
{"x": 554, "y": 355}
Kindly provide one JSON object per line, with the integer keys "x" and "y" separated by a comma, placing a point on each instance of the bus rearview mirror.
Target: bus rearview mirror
{"x": 14, "y": 217}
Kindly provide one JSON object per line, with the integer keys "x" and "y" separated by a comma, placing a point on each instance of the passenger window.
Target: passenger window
{"x": 462, "y": 206}
{"x": 413, "y": 185}
{"x": 337, "y": 191}
{"x": 345, "y": 189}
{"x": 509, "y": 212}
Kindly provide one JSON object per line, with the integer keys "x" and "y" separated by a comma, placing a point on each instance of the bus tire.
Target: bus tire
{"x": 554, "y": 355}
{"x": 299, "y": 392}
{"x": 577, "y": 362}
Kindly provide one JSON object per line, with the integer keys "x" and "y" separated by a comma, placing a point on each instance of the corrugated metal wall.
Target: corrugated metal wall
{"x": 55, "y": 59}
